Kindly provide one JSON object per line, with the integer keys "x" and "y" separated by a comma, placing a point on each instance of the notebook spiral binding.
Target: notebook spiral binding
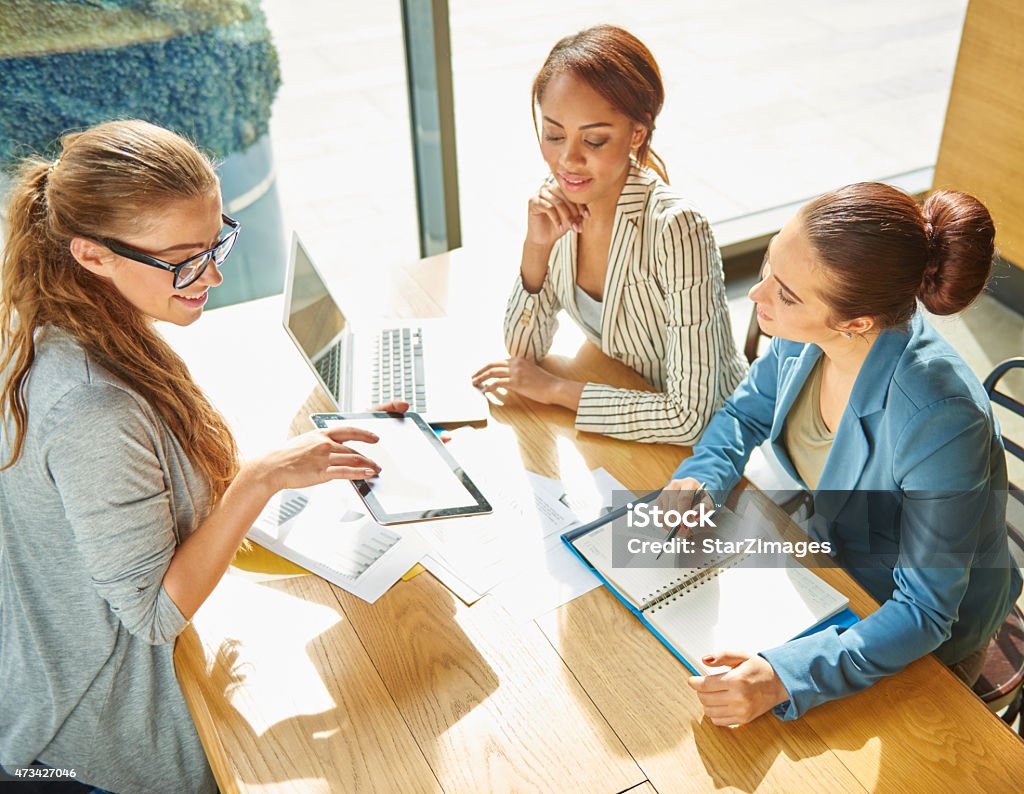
{"x": 681, "y": 582}
{"x": 675, "y": 591}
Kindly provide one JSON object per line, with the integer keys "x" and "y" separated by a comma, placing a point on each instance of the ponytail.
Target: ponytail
{"x": 28, "y": 251}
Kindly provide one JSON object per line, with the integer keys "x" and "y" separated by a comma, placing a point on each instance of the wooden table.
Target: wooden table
{"x": 295, "y": 685}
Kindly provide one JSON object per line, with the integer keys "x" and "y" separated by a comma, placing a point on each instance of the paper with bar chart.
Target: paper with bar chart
{"x": 327, "y": 530}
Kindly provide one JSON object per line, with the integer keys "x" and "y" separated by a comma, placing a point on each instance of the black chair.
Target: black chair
{"x": 1006, "y": 401}
{"x": 1001, "y": 684}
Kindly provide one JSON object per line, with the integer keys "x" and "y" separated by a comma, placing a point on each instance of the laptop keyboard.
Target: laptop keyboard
{"x": 329, "y": 366}
{"x": 398, "y": 368}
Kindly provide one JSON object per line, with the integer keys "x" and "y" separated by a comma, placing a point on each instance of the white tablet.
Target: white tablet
{"x": 419, "y": 480}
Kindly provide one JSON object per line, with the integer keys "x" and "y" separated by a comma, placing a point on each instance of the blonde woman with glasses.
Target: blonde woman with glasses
{"x": 122, "y": 501}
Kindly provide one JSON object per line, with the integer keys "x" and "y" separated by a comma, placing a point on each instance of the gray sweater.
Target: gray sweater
{"x": 90, "y": 516}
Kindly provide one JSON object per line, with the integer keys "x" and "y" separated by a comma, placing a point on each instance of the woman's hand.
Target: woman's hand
{"x": 393, "y": 407}
{"x": 526, "y": 378}
{"x": 742, "y": 694}
{"x": 551, "y": 214}
{"x": 678, "y": 495}
{"x": 316, "y": 457}
{"x": 401, "y": 407}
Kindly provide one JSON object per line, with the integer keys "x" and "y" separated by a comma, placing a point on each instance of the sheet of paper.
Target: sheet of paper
{"x": 476, "y": 549}
{"x": 441, "y": 571}
{"x": 547, "y": 485}
{"x": 481, "y": 551}
{"x": 550, "y": 575}
{"x": 593, "y": 497}
{"x": 326, "y": 530}
{"x": 547, "y": 580}
{"x": 607, "y": 486}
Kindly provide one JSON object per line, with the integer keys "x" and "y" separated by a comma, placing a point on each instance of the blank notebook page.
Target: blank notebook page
{"x": 744, "y": 609}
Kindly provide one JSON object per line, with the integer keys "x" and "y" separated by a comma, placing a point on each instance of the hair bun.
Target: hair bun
{"x": 960, "y": 236}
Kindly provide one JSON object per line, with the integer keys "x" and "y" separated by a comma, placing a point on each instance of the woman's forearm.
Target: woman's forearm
{"x": 201, "y": 560}
{"x": 534, "y": 266}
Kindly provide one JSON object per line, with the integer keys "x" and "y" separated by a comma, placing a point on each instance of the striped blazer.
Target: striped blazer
{"x": 664, "y": 314}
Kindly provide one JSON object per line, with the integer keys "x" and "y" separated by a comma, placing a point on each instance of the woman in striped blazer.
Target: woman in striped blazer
{"x": 633, "y": 264}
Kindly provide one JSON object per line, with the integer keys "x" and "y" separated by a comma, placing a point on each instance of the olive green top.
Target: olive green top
{"x": 805, "y": 435}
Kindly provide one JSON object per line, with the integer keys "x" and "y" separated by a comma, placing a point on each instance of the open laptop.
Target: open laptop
{"x": 413, "y": 361}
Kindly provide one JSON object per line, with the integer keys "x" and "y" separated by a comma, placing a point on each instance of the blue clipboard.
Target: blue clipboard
{"x": 842, "y": 620}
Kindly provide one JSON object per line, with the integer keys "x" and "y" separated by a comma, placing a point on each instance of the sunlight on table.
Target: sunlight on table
{"x": 286, "y": 682}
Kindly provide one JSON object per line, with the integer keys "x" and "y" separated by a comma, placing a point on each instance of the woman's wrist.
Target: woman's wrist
{"x": 567, "y": 393}
{"x": 779, "y": 694}
{"x": 256, "y": 477}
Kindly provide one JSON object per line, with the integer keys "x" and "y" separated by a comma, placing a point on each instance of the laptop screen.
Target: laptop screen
{"x": 314, "y": 319}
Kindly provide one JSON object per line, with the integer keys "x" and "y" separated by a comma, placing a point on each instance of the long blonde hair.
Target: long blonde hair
{"x": 108, "y": 182}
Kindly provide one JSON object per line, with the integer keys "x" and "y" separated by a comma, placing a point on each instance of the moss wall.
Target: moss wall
{"x": 205, "y": 68}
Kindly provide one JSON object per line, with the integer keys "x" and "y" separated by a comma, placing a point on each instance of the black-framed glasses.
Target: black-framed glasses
{"x": 186, "y": 272}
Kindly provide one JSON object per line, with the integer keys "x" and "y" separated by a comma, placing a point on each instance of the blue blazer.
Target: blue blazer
{"x": 912, "y": 499}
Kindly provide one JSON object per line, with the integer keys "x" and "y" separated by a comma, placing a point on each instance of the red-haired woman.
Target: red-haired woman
{"x": 633, "y": 263}
{"x": 876, "y": 415}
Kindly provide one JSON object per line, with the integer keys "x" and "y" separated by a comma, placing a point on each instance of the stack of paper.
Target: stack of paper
{"x": 516, "y": 553}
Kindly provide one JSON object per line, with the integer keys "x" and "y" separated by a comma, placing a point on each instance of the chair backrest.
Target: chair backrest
{"x": 1005, "y": 400}
{"x": 1015, "y": 502}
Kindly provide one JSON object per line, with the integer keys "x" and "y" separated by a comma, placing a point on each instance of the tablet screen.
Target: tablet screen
{"x": 418, "y": 478}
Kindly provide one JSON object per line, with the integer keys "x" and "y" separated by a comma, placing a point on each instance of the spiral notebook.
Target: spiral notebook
{"x": 726, "y": 603}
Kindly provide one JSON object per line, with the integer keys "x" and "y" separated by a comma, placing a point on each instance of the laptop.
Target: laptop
{"x": 413, "y": 360}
